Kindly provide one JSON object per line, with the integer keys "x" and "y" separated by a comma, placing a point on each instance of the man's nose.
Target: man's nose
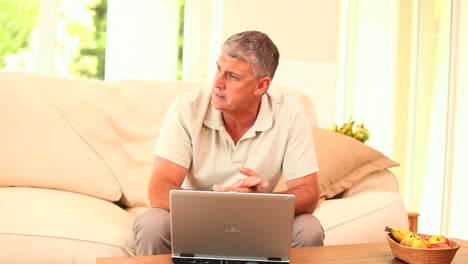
{"x": 219, "y": 81}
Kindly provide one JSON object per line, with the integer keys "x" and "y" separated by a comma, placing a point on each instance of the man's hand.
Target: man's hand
{"x": 253, "y": 183}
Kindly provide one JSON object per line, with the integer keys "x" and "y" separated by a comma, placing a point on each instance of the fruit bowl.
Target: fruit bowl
{"x": 423, "y": 255}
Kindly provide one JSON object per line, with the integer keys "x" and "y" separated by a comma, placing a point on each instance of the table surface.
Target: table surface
{"x": 357, "y": 253}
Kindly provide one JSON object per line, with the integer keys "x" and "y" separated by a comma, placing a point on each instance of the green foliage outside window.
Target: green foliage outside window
{"x": 88, "y": 59}
{"x": 18, "y": 19}
{"x": 79, "y": 45}
{"x": 181, "y": 39}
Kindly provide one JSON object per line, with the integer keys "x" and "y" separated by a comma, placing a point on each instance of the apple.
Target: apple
{"x": 440, "y": 245}
{"x": 438, "y": 239}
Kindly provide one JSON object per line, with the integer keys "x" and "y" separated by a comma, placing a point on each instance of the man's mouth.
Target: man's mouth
{"x": 217, "y": 94}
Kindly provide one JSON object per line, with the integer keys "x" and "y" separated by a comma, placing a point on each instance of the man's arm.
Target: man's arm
{"x": 306, "y": 191}
{"x": 166, "y": 176}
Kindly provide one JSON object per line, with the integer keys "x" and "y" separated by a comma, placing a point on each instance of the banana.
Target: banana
{"x": 398, "y": 233}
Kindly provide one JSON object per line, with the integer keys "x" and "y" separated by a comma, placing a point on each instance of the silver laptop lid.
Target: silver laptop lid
{"x": 231, "y": 225}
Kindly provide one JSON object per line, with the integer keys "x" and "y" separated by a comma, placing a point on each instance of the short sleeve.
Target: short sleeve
{"x": 174, "y": 140}
{"x": 299, "y": 159}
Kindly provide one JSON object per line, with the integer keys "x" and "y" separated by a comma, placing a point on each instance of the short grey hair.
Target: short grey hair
{"x": 257, "y": 49}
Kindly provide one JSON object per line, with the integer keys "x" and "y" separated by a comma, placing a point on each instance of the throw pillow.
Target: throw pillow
{"x": 343, "y": 161}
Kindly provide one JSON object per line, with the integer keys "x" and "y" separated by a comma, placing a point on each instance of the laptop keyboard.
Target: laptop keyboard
{"x": 215, "y": 261}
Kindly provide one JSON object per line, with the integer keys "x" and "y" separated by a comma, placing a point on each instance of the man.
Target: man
{"x": 236, "y": 137}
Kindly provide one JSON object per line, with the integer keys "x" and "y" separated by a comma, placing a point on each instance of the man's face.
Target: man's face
{"x": 233, "y": 85}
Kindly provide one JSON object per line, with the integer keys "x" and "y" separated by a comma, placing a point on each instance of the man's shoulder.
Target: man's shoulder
{"x": 192, "y": 100}
{"x": 281, "y": 100}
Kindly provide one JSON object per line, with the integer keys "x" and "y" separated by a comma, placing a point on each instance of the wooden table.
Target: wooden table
{"x": 358, "y": 253}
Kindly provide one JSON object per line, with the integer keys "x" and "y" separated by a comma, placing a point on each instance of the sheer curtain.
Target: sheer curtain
{"x": 426, "y": 176}
{"x": 406, "y": 58}
{"x": 366, "y": 76}
{"x": 458, "y": 195}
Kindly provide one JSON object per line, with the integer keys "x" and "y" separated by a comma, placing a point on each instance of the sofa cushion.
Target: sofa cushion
{"x": 343, "y": 219}
{"x": 69, "y": 227}
{"x": 40, "y": 148}
{"x": 343, "y": 161}
{"x": 379, "y": 181}
{"x": 120, "y": 121}
{"x": 302, "y": 98}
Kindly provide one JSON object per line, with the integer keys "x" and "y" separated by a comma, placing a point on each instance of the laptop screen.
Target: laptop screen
{"x": 231, "y": 227}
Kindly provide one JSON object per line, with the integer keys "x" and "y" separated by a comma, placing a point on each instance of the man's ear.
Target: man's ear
{"x": 262, "y": 85}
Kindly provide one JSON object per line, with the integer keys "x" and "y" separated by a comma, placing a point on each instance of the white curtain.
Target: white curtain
{"x": 404, "y": 67}
{"x": 458, "y": 195}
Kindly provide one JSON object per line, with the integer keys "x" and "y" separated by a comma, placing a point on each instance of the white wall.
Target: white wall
{"x": 142, "y": 40}
{"x": 305, "y": 32}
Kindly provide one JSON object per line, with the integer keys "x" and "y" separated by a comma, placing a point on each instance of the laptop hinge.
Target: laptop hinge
{"x": 274, "y": 258}
{"x": 187, "y": 255}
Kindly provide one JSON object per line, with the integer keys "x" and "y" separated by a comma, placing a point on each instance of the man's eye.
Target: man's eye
{"x": 233, "y": 76}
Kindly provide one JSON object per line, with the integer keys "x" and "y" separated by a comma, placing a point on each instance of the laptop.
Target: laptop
{"x": 209, "y": 227}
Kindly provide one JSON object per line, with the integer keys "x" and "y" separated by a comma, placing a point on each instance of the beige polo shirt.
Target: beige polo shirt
{"x": 280, "y": 141}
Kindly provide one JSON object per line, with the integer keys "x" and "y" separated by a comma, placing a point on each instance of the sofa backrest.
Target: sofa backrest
{"x": 88, "y": 136}
{"x": 40, "y": 148}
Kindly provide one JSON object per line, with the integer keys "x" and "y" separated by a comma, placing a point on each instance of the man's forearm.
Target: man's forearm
{"x": 306, "y": 199}
{"x": 166, "y": 176}
{"x": 159, "y": 194}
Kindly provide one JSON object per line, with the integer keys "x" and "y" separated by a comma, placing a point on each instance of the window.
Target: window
{"x": 80, "y": 39}
{"x": 18, "y": 34}
{"x": 67, "y": 38}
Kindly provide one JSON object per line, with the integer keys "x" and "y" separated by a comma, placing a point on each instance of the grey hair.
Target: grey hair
{"x": 257, "y": 49}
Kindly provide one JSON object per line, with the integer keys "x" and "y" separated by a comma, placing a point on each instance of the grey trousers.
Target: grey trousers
{"x": 152, "y": 232}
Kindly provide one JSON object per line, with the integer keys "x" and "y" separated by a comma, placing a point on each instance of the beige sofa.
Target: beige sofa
{"x": 76, "y": 158}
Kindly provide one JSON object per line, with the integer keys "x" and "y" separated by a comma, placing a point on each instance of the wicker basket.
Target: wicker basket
{"x": 423, "y": 255}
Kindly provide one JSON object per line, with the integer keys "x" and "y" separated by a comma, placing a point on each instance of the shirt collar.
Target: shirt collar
{"x": 264, "y": 121}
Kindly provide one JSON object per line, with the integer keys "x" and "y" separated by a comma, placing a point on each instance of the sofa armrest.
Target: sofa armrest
{"x": 361, "y": 218}
{"x": 380, "y": 181}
